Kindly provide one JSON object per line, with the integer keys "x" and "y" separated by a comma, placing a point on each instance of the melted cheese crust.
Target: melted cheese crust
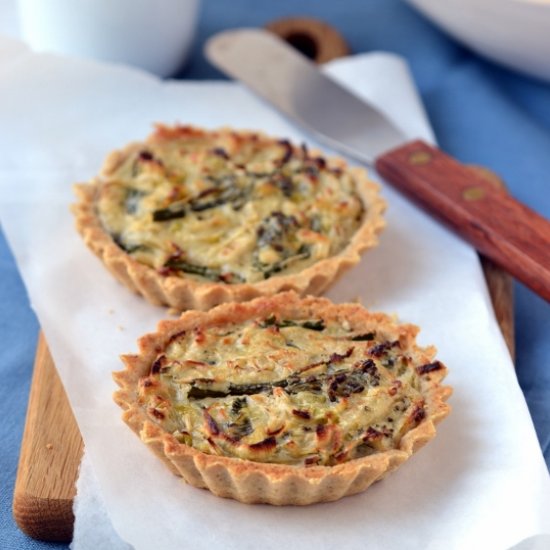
{"x": 227, "y": 207}
{"x": 292, "y": 391}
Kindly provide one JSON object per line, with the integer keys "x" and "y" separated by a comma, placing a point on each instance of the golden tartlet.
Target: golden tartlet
{"x": 283, "y": 400}
{"x": 192, "y": 218}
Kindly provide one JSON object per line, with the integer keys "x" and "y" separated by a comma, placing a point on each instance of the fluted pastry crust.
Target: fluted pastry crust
{"x": 282, "y": 217}
{"x": 193, "y": 392}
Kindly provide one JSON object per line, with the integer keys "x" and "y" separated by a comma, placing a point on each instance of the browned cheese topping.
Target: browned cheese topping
{"x": 292, "y": 391}
{"x": 227, "y": 207}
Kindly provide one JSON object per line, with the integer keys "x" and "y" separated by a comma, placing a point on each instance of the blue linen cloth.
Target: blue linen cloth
{"x": 481, "y": 114}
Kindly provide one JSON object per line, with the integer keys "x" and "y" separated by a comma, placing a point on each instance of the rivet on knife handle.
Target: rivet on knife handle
{"x": 511, "y": 234}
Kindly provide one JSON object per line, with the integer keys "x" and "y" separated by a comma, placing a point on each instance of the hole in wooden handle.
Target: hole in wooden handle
{"x": 313, "y": 38}
{"x": 304, "y": 43}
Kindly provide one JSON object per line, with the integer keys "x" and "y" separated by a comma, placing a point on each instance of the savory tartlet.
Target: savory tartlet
{"x": 192, "y": 218}
{"x": 283, "y": 400}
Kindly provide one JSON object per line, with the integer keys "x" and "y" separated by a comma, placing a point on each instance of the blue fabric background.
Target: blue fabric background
{"x": 481, "y": 114}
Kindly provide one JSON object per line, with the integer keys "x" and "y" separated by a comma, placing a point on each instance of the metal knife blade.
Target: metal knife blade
{"x": 278, "y": 73}
{"x": 506, "y": 231}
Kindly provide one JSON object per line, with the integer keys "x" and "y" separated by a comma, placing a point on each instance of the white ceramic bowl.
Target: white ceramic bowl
{"x": 155, "y": 35}
{"x": 515, "y": 33}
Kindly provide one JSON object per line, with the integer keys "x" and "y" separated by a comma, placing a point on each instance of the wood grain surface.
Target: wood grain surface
{"x": 509, "y": 233}
{"x": 51, "y": 450}
{"x": 499, "y": 282}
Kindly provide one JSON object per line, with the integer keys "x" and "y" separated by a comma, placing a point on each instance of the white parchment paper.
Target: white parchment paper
{"x": 481, "y": 483}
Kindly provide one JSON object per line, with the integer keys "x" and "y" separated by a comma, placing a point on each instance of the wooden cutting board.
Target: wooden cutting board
{"x": 51, "y": 450}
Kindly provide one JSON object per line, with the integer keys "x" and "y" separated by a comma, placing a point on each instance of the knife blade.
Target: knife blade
{"x": 514, "y": 236}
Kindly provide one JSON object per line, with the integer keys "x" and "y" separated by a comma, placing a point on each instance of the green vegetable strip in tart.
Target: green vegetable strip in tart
{"x": 283, "y": 382}
{"x": 284, "y": 391}
{"x": 227, "y": 208}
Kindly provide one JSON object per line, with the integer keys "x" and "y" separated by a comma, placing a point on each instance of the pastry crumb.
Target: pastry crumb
{"x": 49, "y": 446}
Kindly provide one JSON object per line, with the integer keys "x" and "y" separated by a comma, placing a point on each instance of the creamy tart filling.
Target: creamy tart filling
{"x": 298, "y": 391}
{"x": 227, "y": 207}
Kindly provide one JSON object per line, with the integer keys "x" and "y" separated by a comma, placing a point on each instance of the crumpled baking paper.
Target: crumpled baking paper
{"x": 481, "y": 483}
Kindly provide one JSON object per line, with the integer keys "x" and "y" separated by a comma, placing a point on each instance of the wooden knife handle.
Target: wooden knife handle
{"x": 503, "y": 229}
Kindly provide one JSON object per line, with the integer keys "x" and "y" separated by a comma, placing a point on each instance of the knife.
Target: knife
{"x": 500, "y": 227}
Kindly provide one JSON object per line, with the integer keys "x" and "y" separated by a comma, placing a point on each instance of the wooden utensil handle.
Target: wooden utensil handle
{"x": 506, "y": 231}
